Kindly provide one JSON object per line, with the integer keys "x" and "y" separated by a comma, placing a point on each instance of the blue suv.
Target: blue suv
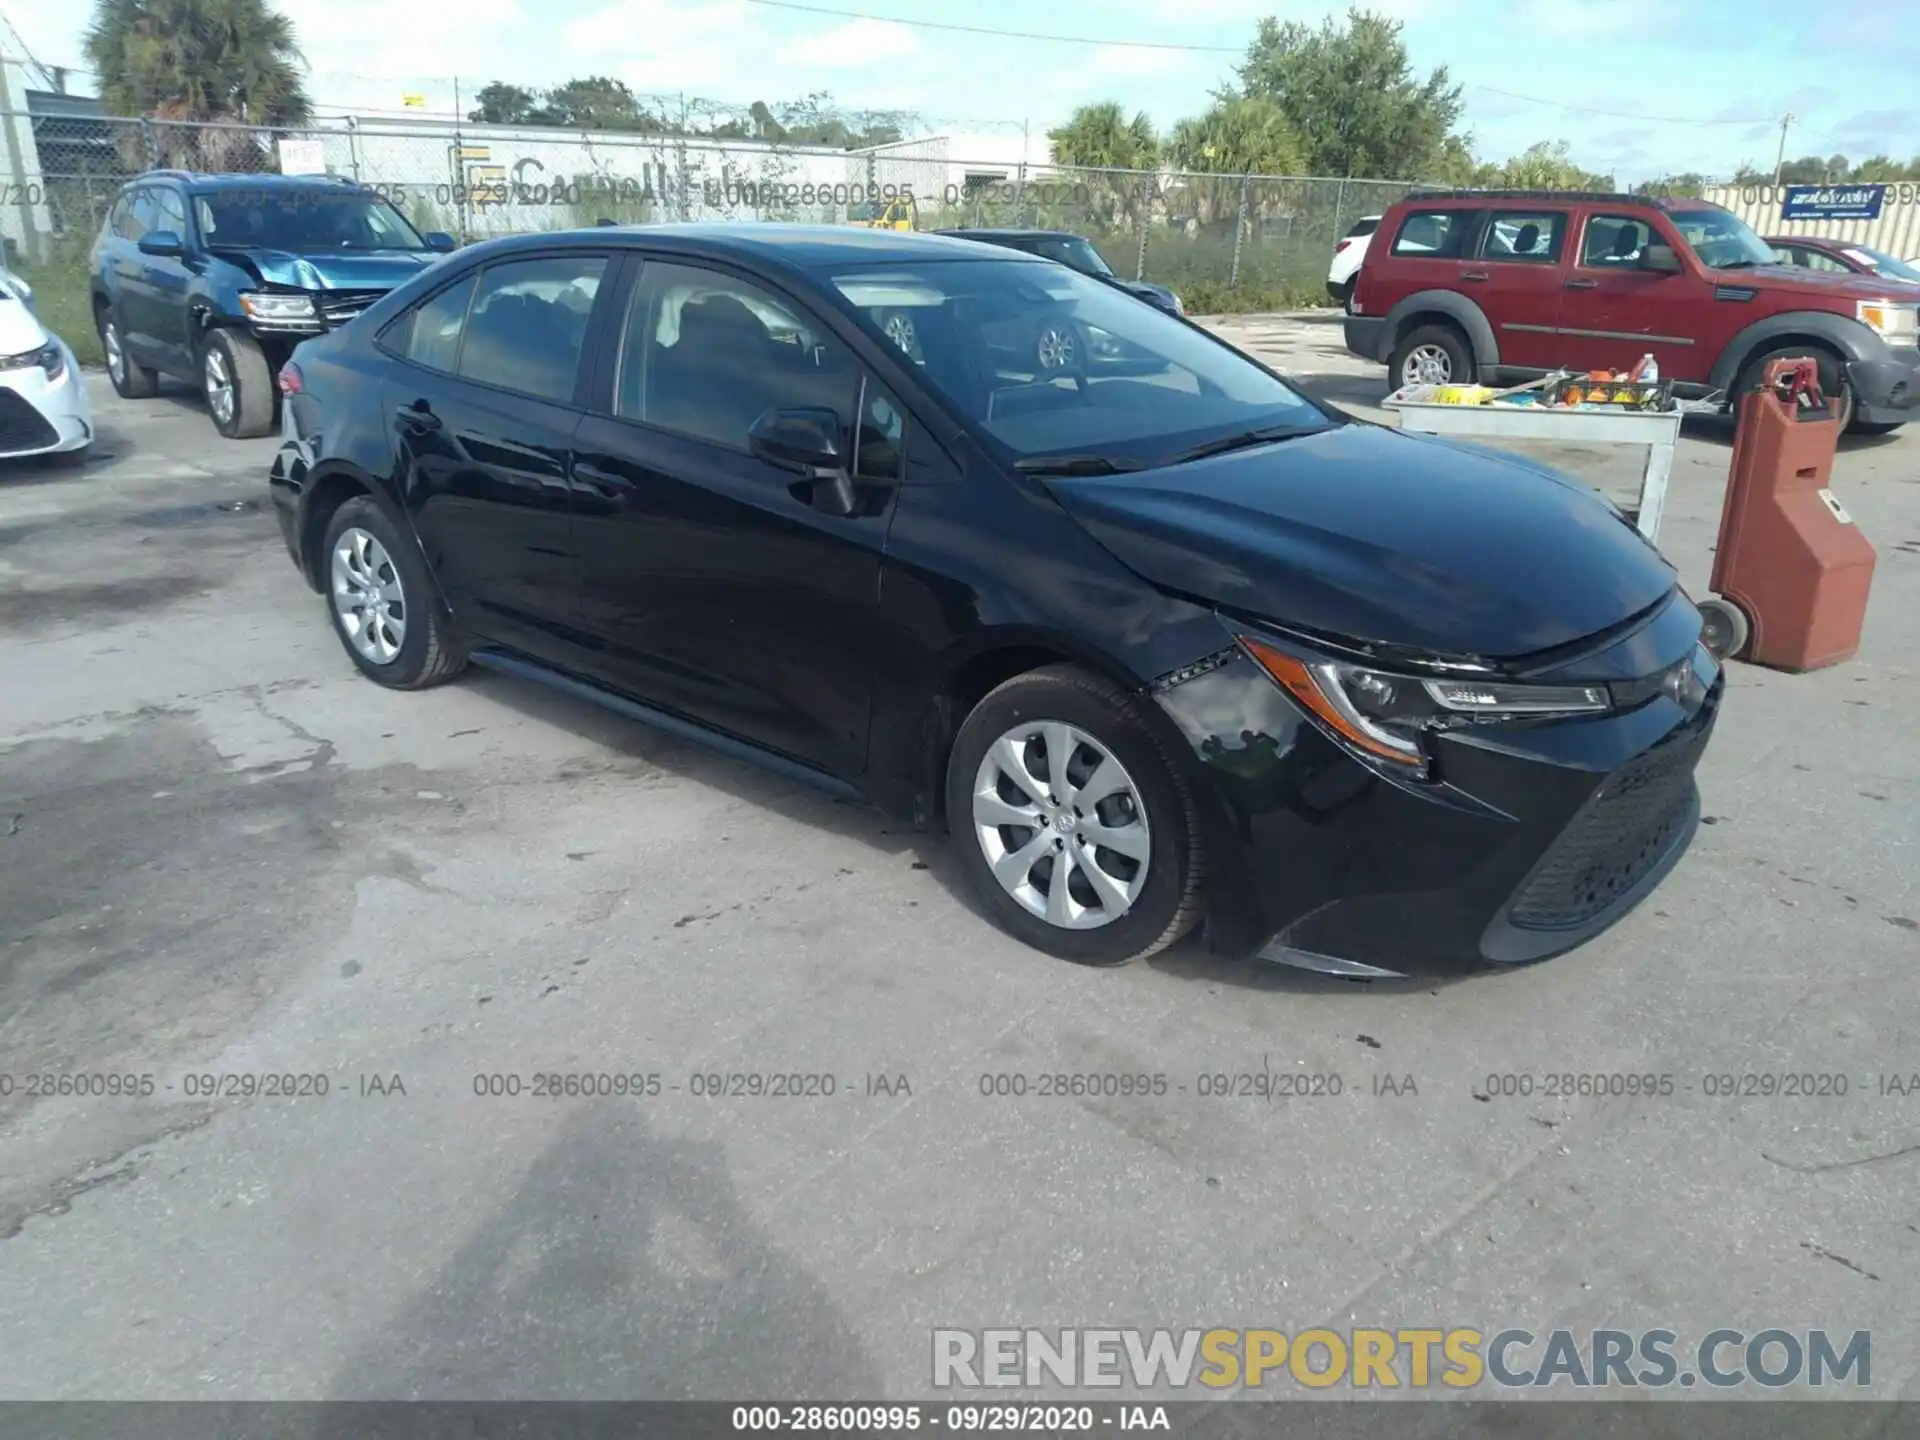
{"x": 214, "y": 279}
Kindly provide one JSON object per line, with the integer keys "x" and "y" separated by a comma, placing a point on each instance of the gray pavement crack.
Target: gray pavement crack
{"x": 94, "y": 1177}
{"x": 1821, "y": 1169}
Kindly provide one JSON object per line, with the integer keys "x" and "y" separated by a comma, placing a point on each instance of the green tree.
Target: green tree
{"x": 1102, "y": 137}
{"x": 499, "y": 103}
{"x": 1687, "y": 185}
{"x": 1352, "y": 96}
{"x": 198, "y": 60}
{"x": 594, "y": 102}
{"x": 1236, "y": 135}
{"x": 1547, "y": 165}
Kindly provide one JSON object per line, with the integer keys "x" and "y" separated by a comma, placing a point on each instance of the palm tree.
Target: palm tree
{"x": 1101, "y": 139}
{"x": 1238, "y": 135}
{"x": 195, "y": 62}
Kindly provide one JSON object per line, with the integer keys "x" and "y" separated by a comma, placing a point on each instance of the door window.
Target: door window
{"x": 1820, "y": 260}
{"x": 429, "y": 334}
{"x": 1616, "y": 242}
{"x": 528, "y": 324}
{"x": 143, "y": 214}
{"x": 1434, "y": 234}
{"x": 120, "y": 219}
{"x": 170, "y": 212}
{"x": 1524, "y": 236}
{"x": 706, "y": 354}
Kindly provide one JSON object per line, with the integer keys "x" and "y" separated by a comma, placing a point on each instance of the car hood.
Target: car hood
{"x": 1824, "y": 283}
{"x": 1362, "y": 532}
{"x": 333, "y": 269}
{"x": 20, "y": 329}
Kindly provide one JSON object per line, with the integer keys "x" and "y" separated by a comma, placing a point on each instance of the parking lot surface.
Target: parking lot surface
{"x": 223, "y": 854}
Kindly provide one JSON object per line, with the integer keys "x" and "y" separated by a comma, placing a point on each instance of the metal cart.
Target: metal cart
{"x": 1658, "y": 430}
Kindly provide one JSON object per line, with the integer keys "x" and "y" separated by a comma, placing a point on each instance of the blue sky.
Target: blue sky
{"x": 1695, "y": 86}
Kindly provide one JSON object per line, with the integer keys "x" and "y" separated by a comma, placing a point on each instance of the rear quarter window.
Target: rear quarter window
{"x": 1434, "y": 234}
{"x": 1364, "y": 227}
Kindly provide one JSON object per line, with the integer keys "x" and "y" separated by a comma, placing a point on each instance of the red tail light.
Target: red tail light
{"x": 1341, "y": 246}
{"x": 289, "y": 379}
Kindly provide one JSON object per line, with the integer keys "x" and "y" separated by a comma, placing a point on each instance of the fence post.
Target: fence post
{"x": 1146, "y": 211}
{"x": 353, "y": 147}
{"x": 1339, "y": 209}
{"x": 1020, "y": 196}
{"x": 149, "y": 144}
{"x": 1239, "y": 234}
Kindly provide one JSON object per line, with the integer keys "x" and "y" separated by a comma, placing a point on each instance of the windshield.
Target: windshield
{"x": 1884, "y": 264}
{"x": 1722, "y": 240}
{"x": 1049, "y": 362}
{"x": 303, "y": 220}
{"x": 1071, "y": 251}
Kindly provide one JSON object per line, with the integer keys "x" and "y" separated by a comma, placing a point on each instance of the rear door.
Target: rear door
{"x": 1427, "y": 250}
{"x": 1519, "y": 267}
{"x": 483, "y": 416}
{"x": 713, "y": 584}
{"x": 1613, "y": 310}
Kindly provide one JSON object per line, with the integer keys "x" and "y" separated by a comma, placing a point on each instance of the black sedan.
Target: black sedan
{"x": 1157, "y": 649}
{"x": 1076, "y": 252}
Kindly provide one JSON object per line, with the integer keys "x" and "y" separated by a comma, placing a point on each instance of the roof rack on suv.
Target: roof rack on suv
{"x": 1610, "y": 197}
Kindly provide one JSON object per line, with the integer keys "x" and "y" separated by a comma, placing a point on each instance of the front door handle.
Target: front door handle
{"x": 1583, "y": 284}
{"x": 603, "y": 483}
{"x": 417, "y": 417}
{"x": 1475, "y": 275}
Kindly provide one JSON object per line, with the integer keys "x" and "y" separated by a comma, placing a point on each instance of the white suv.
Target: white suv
{"x": 1347, "y": 256}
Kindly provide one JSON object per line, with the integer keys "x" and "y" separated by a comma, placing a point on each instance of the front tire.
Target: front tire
{"x": 237, "y": 383}
{"x": 382, "y": 603}
{"x": 131, "y": 380}
{"x": 1832, "y": 380}
{"x": 1075, "y": 827}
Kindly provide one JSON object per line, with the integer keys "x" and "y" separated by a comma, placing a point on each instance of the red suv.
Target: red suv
{"x": 1499, "y": 286}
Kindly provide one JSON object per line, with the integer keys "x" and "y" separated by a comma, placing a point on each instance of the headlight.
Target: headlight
{"x": 1179, "y": 305}
{"x": 1889, "y": 320}
{"x": 1383, "y": 715}
{"x": 48, "y": 357}
{"x": 279, "y": 307}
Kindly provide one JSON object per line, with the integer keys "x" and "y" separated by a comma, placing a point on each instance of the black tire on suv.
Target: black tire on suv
{"x": 1832, "y": 383}
{"x": 131, "y": 381}
{"x": 1428, "y": 346}
{"x": 238, "y": 384}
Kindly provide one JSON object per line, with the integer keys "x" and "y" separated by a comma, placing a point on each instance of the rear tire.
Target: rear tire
{"x": 131, "y": 380}
{"x": 1431, "y": 355}
{"x": 237, "y": 383}
{"x": 1118, "y": 902}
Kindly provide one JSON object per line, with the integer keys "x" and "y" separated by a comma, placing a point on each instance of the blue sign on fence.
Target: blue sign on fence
{"x": 1832, "y": 202}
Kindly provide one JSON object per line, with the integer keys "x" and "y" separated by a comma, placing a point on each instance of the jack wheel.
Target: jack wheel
{"x": 1724, "y": 627}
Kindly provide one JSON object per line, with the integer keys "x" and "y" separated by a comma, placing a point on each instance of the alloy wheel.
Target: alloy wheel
{"x": 219, "y": 384}
{"x": 367, "y": 596}
{"x": 116, "y": 357}
{"x": 1426, "y": 365}
{"x": 899, "y": 329}
{"x": 1062, "y": 825}
{"x": 1056, "y": 348}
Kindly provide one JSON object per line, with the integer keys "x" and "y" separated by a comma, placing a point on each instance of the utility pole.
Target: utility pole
{"x": 29, "y": 234}
{"x": 1780, "y": 163}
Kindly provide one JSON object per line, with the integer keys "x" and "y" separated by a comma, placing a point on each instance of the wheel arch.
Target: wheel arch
{"x": 1425, "y": 307}
{"x": 1846, "y": 338}
{"x": 331, "y": 484}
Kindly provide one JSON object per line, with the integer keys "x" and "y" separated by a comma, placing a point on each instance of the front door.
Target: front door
{"x": 483, "y": 424}
{"x": 165, "y": 280}
{"x": 715, "y": 585}
{"x": 1613, "y": 310}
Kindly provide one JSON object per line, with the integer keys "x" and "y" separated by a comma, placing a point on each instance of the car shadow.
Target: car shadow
{"x": 926, "y": 850}
{"x": 1344, "y": 390}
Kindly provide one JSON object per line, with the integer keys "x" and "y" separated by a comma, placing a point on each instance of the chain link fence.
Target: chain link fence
{"x": 1223, "y": 241}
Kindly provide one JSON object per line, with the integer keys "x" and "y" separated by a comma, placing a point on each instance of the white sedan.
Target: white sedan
{"x": 43, "y": 398}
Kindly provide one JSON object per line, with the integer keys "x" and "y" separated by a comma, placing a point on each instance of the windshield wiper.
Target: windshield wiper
{"x": 1075, "y": 465}
{"x": 1245, "y": 440}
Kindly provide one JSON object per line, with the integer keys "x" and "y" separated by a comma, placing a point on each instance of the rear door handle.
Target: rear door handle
{"x": 417, "y": 417}
{"x": 1583, "y": 284}
{"x": 1475, "y": 275}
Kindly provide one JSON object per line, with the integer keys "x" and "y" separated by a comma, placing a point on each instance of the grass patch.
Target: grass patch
{"x": 62, "y": 300}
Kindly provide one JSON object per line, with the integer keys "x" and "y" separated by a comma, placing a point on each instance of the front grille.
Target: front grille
{"x": 1622, "y": 833}
{"x": 22, "y": 427}
{"x": 337, "y": 307}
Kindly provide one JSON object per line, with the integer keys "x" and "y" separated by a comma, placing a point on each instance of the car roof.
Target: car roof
{"x": 973, "y": 233}
{"x": 1554, "y": 197}
{"x": 212, "y": 181}
{"x": 801, "y": 247}
{"x": 1817, "y": 240}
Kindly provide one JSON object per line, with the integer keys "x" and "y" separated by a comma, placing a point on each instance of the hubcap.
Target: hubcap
{"x": 1061, "y": 825}
{"x": 219, "y": 385}
{"x": 367, "y": 598}
{"x": 1056, "y": 348}
{"x": 1426, "y": 365}
{"x": 116, "y": 362}
{"x": 899, "y": 329}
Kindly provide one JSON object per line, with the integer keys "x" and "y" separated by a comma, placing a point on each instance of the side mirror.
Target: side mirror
{"x": 1660, "y": 258}
{"x": 161, "y": 242}
{"x": 807, "y": 441}
{"x": 440, "y": 240}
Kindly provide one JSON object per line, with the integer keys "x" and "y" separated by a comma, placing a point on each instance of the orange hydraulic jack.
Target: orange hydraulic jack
{"x": 1792, "y": 569}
